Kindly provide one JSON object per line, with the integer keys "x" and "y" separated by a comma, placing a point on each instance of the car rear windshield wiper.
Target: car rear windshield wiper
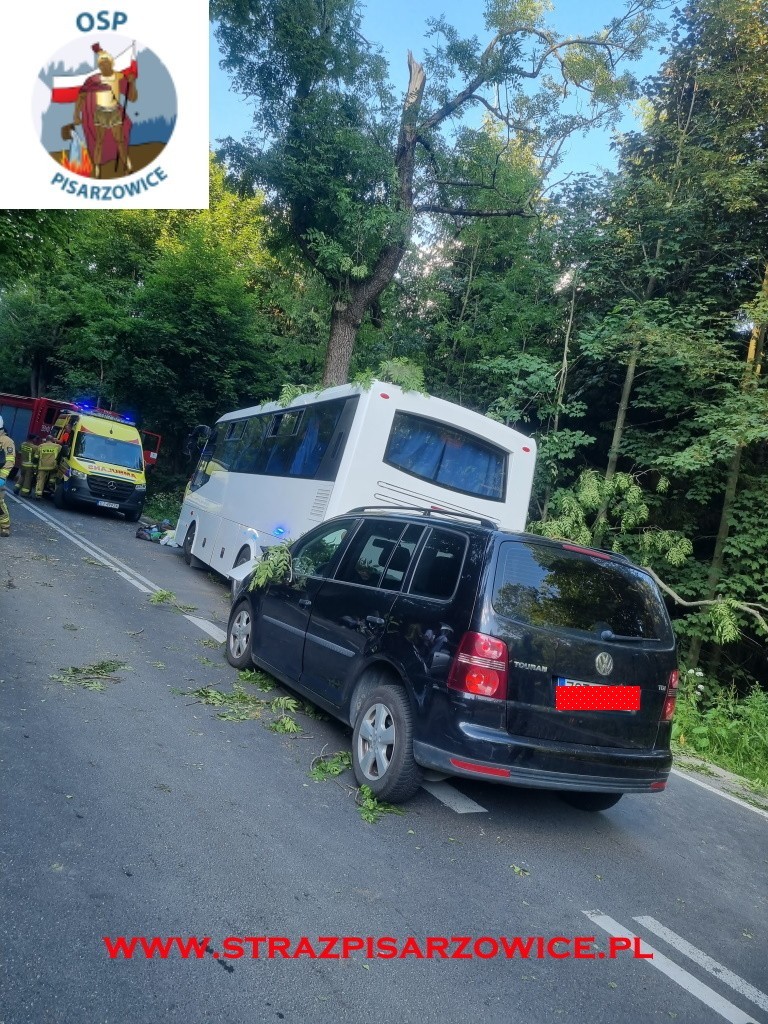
{"x": 608, "y": 634}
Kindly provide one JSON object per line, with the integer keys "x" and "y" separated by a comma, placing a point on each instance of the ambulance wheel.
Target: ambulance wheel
{"x": 134, "y": 515}
{"x": 59, "y": 498}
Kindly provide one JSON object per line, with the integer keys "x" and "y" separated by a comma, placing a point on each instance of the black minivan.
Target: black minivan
{"x": 453, "y": 646}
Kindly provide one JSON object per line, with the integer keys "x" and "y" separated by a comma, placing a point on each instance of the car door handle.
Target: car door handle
{"x": 305, "y": 603}
{"x": 374, "y": 620}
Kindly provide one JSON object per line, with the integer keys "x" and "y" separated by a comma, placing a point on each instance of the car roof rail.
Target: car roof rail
{"x": 482, "y": 520}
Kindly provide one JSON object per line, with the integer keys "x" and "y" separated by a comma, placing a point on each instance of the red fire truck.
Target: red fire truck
{"x": 26, "y": 416}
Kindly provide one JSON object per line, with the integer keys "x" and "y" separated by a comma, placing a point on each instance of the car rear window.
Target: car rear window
{"x": 550, "y": 587}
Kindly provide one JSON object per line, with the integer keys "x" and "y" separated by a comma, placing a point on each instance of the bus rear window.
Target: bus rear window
{"x": 446, "y": 456}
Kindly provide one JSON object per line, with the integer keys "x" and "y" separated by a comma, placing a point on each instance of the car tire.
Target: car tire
{"x": 189, "y": 540}
{"x": 240, "y": 635}
{"x": 134, "y": 514}
{"x": 59, "y": 498}
{"x": 382, "y": 745}
{"x": 591, "y": 801}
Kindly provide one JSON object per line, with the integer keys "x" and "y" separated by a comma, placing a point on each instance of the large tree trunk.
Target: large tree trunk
{"x": 751, "y": 373}
{"x": 354, "y": 299}
{"x": 344, "y": 327}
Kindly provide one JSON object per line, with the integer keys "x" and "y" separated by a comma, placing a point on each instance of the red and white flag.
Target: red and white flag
{"x": 65, "y": 88}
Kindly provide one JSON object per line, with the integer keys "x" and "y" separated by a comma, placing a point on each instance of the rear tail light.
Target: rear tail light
{"x": 481, "y": 666}
{"x": 668, "y": 711}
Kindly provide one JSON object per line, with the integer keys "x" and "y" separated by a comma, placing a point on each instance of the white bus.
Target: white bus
{"x": 272, "y": 472}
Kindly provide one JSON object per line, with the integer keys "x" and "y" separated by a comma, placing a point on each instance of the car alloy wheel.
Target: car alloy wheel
{"x": 382, "y": 745}
{"x": 375, "y": 742}
{"x": 240, "y": 635}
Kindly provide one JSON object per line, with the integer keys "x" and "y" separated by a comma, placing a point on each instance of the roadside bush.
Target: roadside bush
{"x": 164, "y": 505}
{"x": 722, "y": 727}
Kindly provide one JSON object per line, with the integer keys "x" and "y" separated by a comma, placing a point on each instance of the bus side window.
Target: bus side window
{"x": 250, "y": 445}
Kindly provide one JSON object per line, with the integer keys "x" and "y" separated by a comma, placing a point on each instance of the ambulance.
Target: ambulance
{"x": 101, "y": 463}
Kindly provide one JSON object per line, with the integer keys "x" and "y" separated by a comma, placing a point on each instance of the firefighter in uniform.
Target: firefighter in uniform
{"x": 29, "y": 457}
{"x": 8, "y": 461}
{"x": 48, "y": 458}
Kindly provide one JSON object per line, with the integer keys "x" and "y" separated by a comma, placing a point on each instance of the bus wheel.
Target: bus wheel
{"x": 189, "y": 540}
{"x": 240, "y": 635}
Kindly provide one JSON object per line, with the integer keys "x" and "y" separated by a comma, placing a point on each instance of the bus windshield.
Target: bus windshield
{"x": 95, "y": 448}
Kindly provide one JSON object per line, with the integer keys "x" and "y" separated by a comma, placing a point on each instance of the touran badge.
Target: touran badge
{"x": 604, "y": 663}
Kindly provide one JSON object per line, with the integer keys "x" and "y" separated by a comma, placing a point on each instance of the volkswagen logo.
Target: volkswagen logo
{"x": 604, "y": 663}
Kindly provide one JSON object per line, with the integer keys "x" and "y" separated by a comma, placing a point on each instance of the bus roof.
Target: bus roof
{"x": 438, "y": 408}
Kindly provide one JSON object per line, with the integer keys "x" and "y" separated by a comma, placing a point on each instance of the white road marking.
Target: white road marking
{"x": 453, "y": 798}
{"x": 208, "y": 627}
{"x": 90, "y": 549}
{"x": 719, "y": 792}
{"x": 698, "y": 989}
{"x": 79, "y": 539}
{"x": 126, "y": 572}
{"x": 736, "y": 983}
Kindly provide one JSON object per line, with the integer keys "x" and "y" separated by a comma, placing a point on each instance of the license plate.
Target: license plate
{"x": 108, "y": 504}
{"x": 574, "y": 695}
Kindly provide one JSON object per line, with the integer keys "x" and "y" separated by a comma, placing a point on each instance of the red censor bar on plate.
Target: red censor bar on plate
{"x": 597, "y": 698}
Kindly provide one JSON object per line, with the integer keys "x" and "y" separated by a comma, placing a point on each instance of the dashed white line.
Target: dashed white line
{"x": 110, "y": 561}
{"x": 719, "y": 792}
{"x": 728, "y": 977}
{"x": 208, "y": 627}
{"x": 727, "y": 1010}
{"x": 101, "y": 556}
{"x": 453, "y": 798}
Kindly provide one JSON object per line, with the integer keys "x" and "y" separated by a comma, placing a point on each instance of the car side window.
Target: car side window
{"x": 369, "y": 553}
{"x": 315, "y": 556}
{"x": 398, "y": 564}
{"x": 439, "y": 566}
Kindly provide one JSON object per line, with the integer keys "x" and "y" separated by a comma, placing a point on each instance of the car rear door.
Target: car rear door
{"x": 590, "y": 645}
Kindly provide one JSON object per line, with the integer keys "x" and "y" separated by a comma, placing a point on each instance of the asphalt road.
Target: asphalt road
{"x": 135, "y": 811}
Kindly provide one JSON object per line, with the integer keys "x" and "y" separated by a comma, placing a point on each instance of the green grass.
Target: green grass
{"x": 728, "y": 730}
{"x": 165, "y": 505}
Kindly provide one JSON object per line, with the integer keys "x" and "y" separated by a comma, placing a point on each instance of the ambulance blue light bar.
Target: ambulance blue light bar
{"x": 106, "y": 414}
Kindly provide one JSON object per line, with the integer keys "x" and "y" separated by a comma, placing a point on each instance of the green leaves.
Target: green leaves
{"x": 274, "y": 567}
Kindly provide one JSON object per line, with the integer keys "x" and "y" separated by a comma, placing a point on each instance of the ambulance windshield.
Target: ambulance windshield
{"x": 95, "y": 448}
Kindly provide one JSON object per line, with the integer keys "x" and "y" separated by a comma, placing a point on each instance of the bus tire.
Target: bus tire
{"x": 240, "y": 635}
{"x": 382, "y": 745}
{"x": 189, "y": 540}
